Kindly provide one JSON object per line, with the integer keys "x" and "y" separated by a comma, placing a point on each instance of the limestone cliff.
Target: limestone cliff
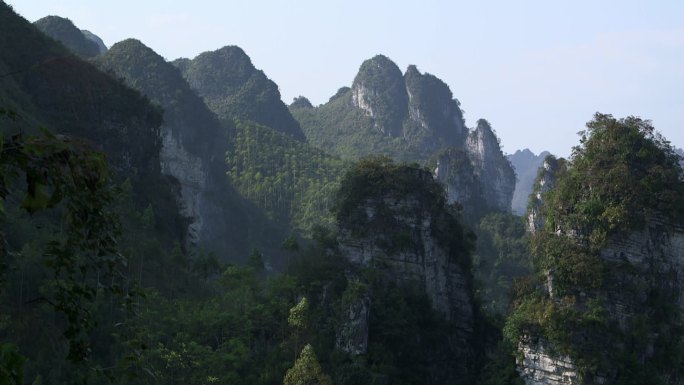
{"x": 412, "y": 117}
{"x": 379, "y": 91}
{"x": 644, "y": 266}
{"x": 463, "y": 186}
{"x": 402, "y": 230}
{"x": 491, "y": 166}
{"x": 608, "y": 246}
{"x": 545, "y": 182}
{"x": 419, "y": 108}
{"x": 435, "y": 116}
{"x": 193, "y": 148}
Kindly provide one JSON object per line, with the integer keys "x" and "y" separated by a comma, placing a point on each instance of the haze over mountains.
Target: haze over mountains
{"x": 175, "y": 222}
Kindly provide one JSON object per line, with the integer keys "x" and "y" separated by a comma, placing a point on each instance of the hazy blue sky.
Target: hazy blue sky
{"x": 537, "y": 70}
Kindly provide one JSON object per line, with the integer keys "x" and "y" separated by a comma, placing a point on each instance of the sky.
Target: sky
{"x": 536, "y": 70}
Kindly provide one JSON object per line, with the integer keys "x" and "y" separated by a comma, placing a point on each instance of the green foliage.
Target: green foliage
{"x": 342, "y": 130}
{"x": 235, "y": 90}
{"x": 11, "y": 365}
{"x": 64, "y": 31}
{"x": 306, "y": 370}
{"x": 501, "y": 257}
{"x": 375, "y": 184}
{"x": 291, "y": 181}
{"x": 69, "y": 174}
{"x": 622, "y": 175}
{"x": 299, "y": 314}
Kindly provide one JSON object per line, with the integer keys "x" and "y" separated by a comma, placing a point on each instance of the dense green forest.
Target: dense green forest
{"x": 292, "y": 181}
{"x": 175, "y": 223}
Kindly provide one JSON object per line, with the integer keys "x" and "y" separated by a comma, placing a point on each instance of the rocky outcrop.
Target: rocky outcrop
{"x": 417, "y": 107}
{"x": 402, "y": 243}
{"x": 538, "y": 365}
{"x": 380, "y": 92}
{"x": 445, "y": 282}
{"x": 526, "y": 165}
{"x": 641, "y": 266}
{"x": 545, "y": 181}
{"x": 491, "y": 166}
{"x": 353, "y": 334}
{"x": 432, "y": 109}
{"x": 463, "y": 187}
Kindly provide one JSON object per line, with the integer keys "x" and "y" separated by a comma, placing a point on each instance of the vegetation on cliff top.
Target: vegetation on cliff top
{"x": 622, "y": 175}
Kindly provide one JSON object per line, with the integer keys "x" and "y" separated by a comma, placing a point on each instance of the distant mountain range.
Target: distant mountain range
{"x": 526, "y": 165}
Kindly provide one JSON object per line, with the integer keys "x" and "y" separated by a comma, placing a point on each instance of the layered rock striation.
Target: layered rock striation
{"x": 608, "y": 245}
{"x": 402, "y": 230}
{"x": 491, "y": 166}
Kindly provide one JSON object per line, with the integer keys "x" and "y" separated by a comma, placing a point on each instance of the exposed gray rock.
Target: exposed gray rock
{"x": 540, "y": 366}
{"x": 193, "y": 148}
{"x": 353, "y": 334}
{"x": 645, "y": 262}
{"x": 491, "y": 166}
{"x": 187, "y": 169}
{"x": 463, "y": 187}
{"x": 402, "y": 247}
{"x": 545, "y": 181}
{"x": 432, "y": 108}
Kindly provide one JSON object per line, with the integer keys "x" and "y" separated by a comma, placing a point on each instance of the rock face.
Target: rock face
{"x": 433, "y": 110}
{"x": 491, "y": 166}
{"x": 400, "y": 237}
{"x": 541, "y": 366}
{"x": 353, "y": 334}
{"x": 455, "y": 171}
{"x": 640, "y": 267}
{"x": 379, "y": 91}
{"x": 417, "y": 107}
{"x": 545, "y": 181}
{"x": 64, "y": 31}
{"x": 446, "y": 283}
{"x": 193, "y": 145}
{"x": 651, "y": 263}
{"x": 526, "y": 164}
{"x": 234, "y": 89}
{"x": 412, "y": 117}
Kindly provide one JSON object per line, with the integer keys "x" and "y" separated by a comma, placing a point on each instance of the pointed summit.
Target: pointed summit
{"x": 64, "y": 31}
{"x": 234, "y": 89}
{"x": 379, "y": 91}
{"x": 433, "y": 108}
{"x": 491, "y": 166}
